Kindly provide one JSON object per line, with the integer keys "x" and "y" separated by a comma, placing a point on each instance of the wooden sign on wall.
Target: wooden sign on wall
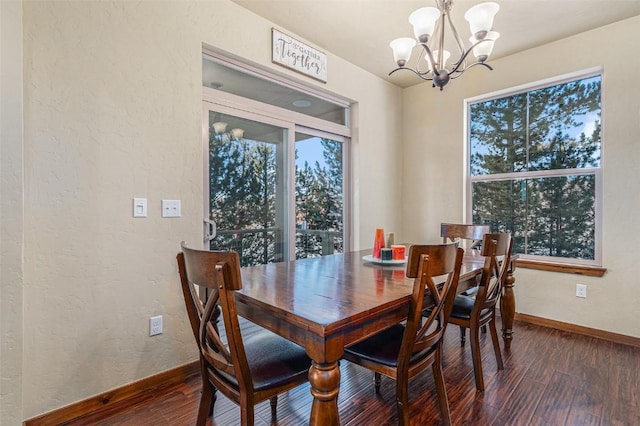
{"x": 298, "y": 56}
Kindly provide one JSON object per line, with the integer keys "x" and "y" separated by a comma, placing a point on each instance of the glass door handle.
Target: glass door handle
{"x": 209, "y": 230}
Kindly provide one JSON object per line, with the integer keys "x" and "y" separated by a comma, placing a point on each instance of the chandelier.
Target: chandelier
{"x": 428, "y": 28}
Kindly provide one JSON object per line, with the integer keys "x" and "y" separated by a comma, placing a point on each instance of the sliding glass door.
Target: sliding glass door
{"x": 276, "y": 164}
{"x": 274, "y": 190}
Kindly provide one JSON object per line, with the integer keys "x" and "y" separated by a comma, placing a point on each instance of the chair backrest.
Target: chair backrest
{"x": 456, "y": 231}
{"x": 497, "y": 251}
{"x": 433, "y": 263}
{"x": 219, "y": 273}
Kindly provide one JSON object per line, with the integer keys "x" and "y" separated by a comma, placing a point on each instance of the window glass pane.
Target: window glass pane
{"x": 498, "y": 135}
{"x": 503, "y": 205}
{"x": 319, "y": 196}
{"x": 562, "y": 216}
{"x": 564, "y": 128}
{"x": 551, "y": 216}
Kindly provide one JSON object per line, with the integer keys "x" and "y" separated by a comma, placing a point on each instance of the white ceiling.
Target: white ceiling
{"x": 360, "y": 30}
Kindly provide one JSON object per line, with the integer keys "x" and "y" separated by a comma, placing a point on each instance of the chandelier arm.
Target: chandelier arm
{"x": 459, "y": 73}
{"x": 458, "y": 40}
{"x": 431, "y": 60}
{"x": 461, "y": 62}
{"x": 421, "y": 75}
{"x": 441, "y": 41}
{"x": 417, "y": 62}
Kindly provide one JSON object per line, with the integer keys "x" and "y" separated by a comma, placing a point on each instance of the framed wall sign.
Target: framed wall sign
{"x": 298, "y": 56}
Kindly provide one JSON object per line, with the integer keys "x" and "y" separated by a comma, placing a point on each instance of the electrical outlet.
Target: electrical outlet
{"x": 581, "y": 290}
{"x": 155, "y": 325}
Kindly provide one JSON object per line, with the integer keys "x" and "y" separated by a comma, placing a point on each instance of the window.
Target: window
{"x": 535, "y": 168}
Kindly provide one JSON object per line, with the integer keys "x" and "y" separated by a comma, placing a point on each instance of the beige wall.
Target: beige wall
{"x": 112, "y": 111}
{"x": 11, "y": 213}
{"x": 433, "y": 151}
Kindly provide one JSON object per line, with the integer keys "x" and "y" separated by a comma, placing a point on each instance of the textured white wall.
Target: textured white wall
{"x": 11, "y": 213}
{"x": 434, "y": 149}
{"x": 113, "y": 111}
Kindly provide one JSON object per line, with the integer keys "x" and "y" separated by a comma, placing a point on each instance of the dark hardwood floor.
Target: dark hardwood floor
{"x": 551, "y": 377}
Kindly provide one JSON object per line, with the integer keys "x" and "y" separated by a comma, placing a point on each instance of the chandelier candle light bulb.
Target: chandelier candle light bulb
{"x": 480, "y": 18}
{"x": 429, "y": 30}
{"x": 482, "y": 50}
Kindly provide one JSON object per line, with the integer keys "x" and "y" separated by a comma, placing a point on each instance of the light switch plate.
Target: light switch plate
{"x": 170, "y": 208}
{"x": 139, "y": 207}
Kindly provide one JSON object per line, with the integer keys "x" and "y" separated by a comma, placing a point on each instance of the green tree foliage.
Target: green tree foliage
{"x": 242, "y": 182}
{"x": 552, "y": 214}
{"x": 319, "y": 204}
{"x": 498, "y": 145}
{"x": 243, "y": 197}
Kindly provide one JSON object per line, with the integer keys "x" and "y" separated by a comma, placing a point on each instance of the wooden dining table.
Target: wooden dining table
{"x": 327, "y": 303}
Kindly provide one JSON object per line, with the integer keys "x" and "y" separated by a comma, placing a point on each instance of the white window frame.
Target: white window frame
{"x": 596, "y": 171}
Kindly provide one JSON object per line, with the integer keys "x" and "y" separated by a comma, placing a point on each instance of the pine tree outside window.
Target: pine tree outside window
{"x": 535, "y": 168}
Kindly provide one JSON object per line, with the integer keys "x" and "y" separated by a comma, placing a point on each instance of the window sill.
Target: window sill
{"x": 592, "y": 271}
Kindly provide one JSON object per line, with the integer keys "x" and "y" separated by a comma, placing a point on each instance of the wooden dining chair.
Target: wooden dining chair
{"x": 469, "y": 234}
{"x": 469, "y": 237}
{"x": 404, "y": 350}
{"x": 246, "y": 370}
{"x": 474, "y": 312}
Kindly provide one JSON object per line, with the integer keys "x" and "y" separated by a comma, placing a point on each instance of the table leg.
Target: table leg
{"x": 325, "y": 385}
{"x": 508, "y": 307}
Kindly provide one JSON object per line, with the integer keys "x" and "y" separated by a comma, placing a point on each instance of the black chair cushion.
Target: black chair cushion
{"x": 272, "y": 360}
{"x": 384, "y": 347}
{"x": 470, "y": 291}
{"x": 463, "y": 305}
